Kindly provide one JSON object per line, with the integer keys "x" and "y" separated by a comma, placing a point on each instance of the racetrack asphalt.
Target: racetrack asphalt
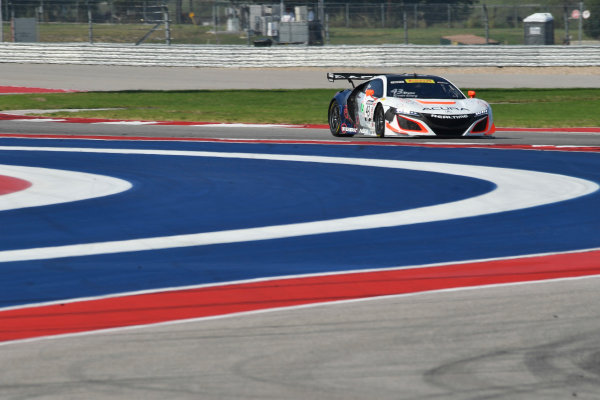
{"x": 529, "y": 341}
{"x": 93, "y": 77}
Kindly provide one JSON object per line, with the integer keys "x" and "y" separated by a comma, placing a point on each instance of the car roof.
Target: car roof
{"x": 417, "y": 76}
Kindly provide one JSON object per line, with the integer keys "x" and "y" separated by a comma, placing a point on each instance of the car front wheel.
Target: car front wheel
{"x": 379, "y": 119}
{"x": 335, "y": 119}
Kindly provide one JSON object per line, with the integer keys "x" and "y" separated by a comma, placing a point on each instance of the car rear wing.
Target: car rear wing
{"x": 350, "y": 77}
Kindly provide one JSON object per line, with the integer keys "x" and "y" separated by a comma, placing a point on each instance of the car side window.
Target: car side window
{"x": 377, "y": 86}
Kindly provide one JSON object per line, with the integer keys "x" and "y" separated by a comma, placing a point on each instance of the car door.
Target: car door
{"x": 366, "y": 100}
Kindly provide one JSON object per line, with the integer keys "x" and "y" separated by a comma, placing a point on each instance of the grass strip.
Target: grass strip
{"x": 512, "y": 107}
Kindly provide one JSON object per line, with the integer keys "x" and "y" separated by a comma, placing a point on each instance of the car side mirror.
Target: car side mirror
{"x": 471, "y": 94}
{"x": 370, "y": 92}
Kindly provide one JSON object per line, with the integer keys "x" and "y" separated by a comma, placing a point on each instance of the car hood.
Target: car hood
{"x": 439, "y": 106}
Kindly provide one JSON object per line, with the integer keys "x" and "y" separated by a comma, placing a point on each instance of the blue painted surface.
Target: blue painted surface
{"x": 178, "y": 195}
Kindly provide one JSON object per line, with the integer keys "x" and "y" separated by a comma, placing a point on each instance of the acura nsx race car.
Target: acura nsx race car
{"x": 406, "y": 105}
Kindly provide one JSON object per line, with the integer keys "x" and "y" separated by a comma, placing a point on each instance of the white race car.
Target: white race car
{"x": 406, "y": 105}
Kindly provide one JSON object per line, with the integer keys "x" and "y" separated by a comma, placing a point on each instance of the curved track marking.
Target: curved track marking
{"x": 515, "y": 189}
{"x": 53, "y": 186}
{"x": 9, "y": 184}
{"x": 157, "y": 307}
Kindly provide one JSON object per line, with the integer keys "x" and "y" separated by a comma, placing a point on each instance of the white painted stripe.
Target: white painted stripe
{"x": 515, "y": 189}
{"x": 125, "y": 123}
{"x": 53, "y": 186}
{"x": 37, "y": 120}
{"x": 232, "y": 125}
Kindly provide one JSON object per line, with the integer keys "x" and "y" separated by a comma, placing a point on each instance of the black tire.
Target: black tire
{"x": 379, "y": 119}
{"x": 335, "y": 119}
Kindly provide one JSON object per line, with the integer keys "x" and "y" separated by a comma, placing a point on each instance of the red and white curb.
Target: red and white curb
{"x": 19, "y": 116}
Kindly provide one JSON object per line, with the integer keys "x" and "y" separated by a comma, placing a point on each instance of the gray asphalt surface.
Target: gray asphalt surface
{"x": 235, "y": 132}
{"x": 531, "y": 341}
{"x": 534, "y": 341}
{"x": 94, "y": 77}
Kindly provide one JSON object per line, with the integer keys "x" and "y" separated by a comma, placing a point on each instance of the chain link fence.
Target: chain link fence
{"x": 319, "y": 22}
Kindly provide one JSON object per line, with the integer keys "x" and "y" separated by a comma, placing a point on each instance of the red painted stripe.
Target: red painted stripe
{"x": 143, "y": 309}
{"x": 588, "y": 129}
{"x": 8, "y": 184}
{"x": 21, "y": 89}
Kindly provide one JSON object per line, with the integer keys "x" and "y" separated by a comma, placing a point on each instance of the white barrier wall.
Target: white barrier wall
{"x": 301, "y": 56}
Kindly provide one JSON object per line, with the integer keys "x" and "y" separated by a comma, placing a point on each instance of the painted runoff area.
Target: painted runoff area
{"x": 105, "y": 234}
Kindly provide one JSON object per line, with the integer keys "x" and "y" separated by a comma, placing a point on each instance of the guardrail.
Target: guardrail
{"x": 301, "y": 56}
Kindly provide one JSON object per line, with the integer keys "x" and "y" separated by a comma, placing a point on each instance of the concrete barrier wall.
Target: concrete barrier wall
{"x": 301, "y": 56}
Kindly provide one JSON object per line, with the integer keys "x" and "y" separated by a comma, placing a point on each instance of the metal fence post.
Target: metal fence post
{"x": 580, "y": 21}
{"x": 405, "y": 23}
{"x": 167, "y": 24}
{"x": 486, "y": 23}
{"x": 215, "y": 20}
{"x": 567, "y": 39}
{"x": 90, "y": 27}
{"x": 321, "y": 10}
{"x": 416, "y": 16}
{"x": 347, "y": 15}
{"x": 326, "y": 28}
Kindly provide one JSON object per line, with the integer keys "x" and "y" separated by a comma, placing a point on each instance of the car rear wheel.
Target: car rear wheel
{"x": 379, "y": 119}
{"x": 335, "y": 119}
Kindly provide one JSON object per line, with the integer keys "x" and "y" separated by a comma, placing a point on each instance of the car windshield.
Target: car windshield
{"x": 423, "y": 88}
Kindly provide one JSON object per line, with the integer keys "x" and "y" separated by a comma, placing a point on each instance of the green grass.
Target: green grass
{"x": 544, "y": 107}
{"x": 512, "y": 107}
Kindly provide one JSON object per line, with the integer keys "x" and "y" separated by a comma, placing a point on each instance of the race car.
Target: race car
{"x": 406, "y": 105}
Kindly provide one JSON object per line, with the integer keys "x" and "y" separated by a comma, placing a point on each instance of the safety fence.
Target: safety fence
{"x": 238, "y": 22}
{"x": 302, "y": 56}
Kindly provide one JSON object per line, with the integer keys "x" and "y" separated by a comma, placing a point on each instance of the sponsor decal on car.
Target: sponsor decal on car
{"x": 347, "y": 129}
{"x": 442, "y": 108}
{"x": 419, "y": 81}
{"x": 459, "y": 116}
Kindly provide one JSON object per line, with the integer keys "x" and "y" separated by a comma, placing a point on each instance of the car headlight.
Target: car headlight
{"x": 409, "y": 113}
